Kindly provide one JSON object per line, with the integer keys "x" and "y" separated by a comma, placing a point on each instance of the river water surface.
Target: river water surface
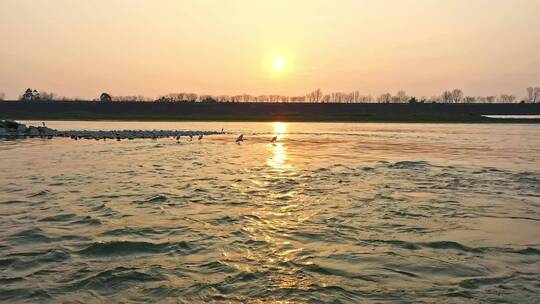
{"x": 331, "y": 213}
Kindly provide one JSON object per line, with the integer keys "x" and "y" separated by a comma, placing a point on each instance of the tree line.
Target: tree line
{"x": 316, "y": 96}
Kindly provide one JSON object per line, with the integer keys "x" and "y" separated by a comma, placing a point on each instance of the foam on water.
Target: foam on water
{"x": 332, "y": 213}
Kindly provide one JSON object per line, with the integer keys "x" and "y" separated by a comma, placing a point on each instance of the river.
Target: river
{"x": 330, "y": 213}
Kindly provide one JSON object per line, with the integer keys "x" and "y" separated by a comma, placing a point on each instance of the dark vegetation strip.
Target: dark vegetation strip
{"x": 301, "y": 112}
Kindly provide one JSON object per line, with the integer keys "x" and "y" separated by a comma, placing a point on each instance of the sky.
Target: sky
{"x": 80, "y": 48}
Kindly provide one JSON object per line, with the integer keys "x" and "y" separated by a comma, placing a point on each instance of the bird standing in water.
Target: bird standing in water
{"x": 274, "y": 139}
{"x": 200, "y": 137}
{"x": 240, "y": 138}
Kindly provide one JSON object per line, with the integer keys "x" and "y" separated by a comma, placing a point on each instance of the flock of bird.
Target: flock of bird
{"x": 154, "y": 135}
{"x": 16, "y": 129}
{"x": 119, "y": 137}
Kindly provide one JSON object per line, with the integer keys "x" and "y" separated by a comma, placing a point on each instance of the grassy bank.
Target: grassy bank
{"x": 291, "y": 112}
{"x": 264, "y": 118}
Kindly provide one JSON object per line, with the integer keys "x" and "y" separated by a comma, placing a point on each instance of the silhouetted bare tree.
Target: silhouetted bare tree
{"x": 207, "y": 98}
{"x": 533, "y": 94}
{"x": 130, "y": 98}
{"x": 179, "y": 97}
{"x": 47, "y": 96}
{"x": 402, "y": 96}
{"x": 457, "y": 95}
{"x": 385, "y": 98}
{"x": 447, "y": 96}
{"x": 491, "y": 99}
{"x": 507, "y": 98}
{"x": 469, "y": 99}
{"x": 315, "y": 96}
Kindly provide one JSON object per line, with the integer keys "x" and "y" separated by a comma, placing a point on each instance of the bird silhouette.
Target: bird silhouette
{"x": 240, "y": 138}
{"x": 274, "y": 139}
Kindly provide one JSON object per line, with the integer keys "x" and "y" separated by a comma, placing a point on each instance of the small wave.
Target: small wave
{"x": 217, "y": 267}
{"x": 528, "y": 251}
{"x": 324, "y": 270}
{"x": 106, "y": 211}
{"x": 122, "y": 248}
{"x": 58, "y": 218}
{"x": 439, "y": 245}
{"x": 34, "y": 235}
{"x": 72, "y": 219}
{"x": 40, "y": 193}
{"x": 7, "y": 262}
{"x": 451, "y": 245}
{"x": 402, "y": 272}
{"x": 251, "y": 244}
{"x": 409, "y": 164}
{"x": 134, "y": 231}
{"x": 397, "y": 243}
{"x": 9, "y": 202}
{"x": 27, "y": 295}
{"x": 113, "y": 279}
{"x": 21, "y": 261}
{"x": 224, "y": 220}
{"x": 11, "y": 280}
{"x": 87, "y": 220}
{"x": 164, "y": 291}
{"x": 479, "y": 282}
{"x": 158, "y": 198}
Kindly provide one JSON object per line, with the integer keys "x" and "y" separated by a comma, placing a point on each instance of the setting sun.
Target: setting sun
{"x": 279, "y": 63}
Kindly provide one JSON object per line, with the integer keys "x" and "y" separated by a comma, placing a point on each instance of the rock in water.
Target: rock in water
{"x": 32, "y": 131}
{"x": 9, "y": 124}
{"x": 21, "y": 129}
{"x": 12, "y": 128}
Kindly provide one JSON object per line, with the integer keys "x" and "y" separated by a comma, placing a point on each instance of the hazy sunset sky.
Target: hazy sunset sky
{"x": 80, "y": 48}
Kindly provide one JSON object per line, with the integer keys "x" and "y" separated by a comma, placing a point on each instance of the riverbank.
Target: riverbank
{"x": 287, "y": 112}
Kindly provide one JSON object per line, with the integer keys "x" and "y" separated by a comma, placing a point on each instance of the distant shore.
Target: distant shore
{"x": 287, "y": 112}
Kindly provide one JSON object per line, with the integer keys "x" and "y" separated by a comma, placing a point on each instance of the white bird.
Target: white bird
{"x": 274, "y": 139}
{"x": 240, "y": 138}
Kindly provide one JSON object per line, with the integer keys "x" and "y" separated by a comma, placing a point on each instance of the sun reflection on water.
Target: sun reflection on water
{"x": 280, "y": 129}
{"x": 279, "y": 150}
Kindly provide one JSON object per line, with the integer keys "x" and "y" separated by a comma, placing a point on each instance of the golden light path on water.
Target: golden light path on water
{"x": 279, "y": 159}
{"x": 283, "y": 211}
